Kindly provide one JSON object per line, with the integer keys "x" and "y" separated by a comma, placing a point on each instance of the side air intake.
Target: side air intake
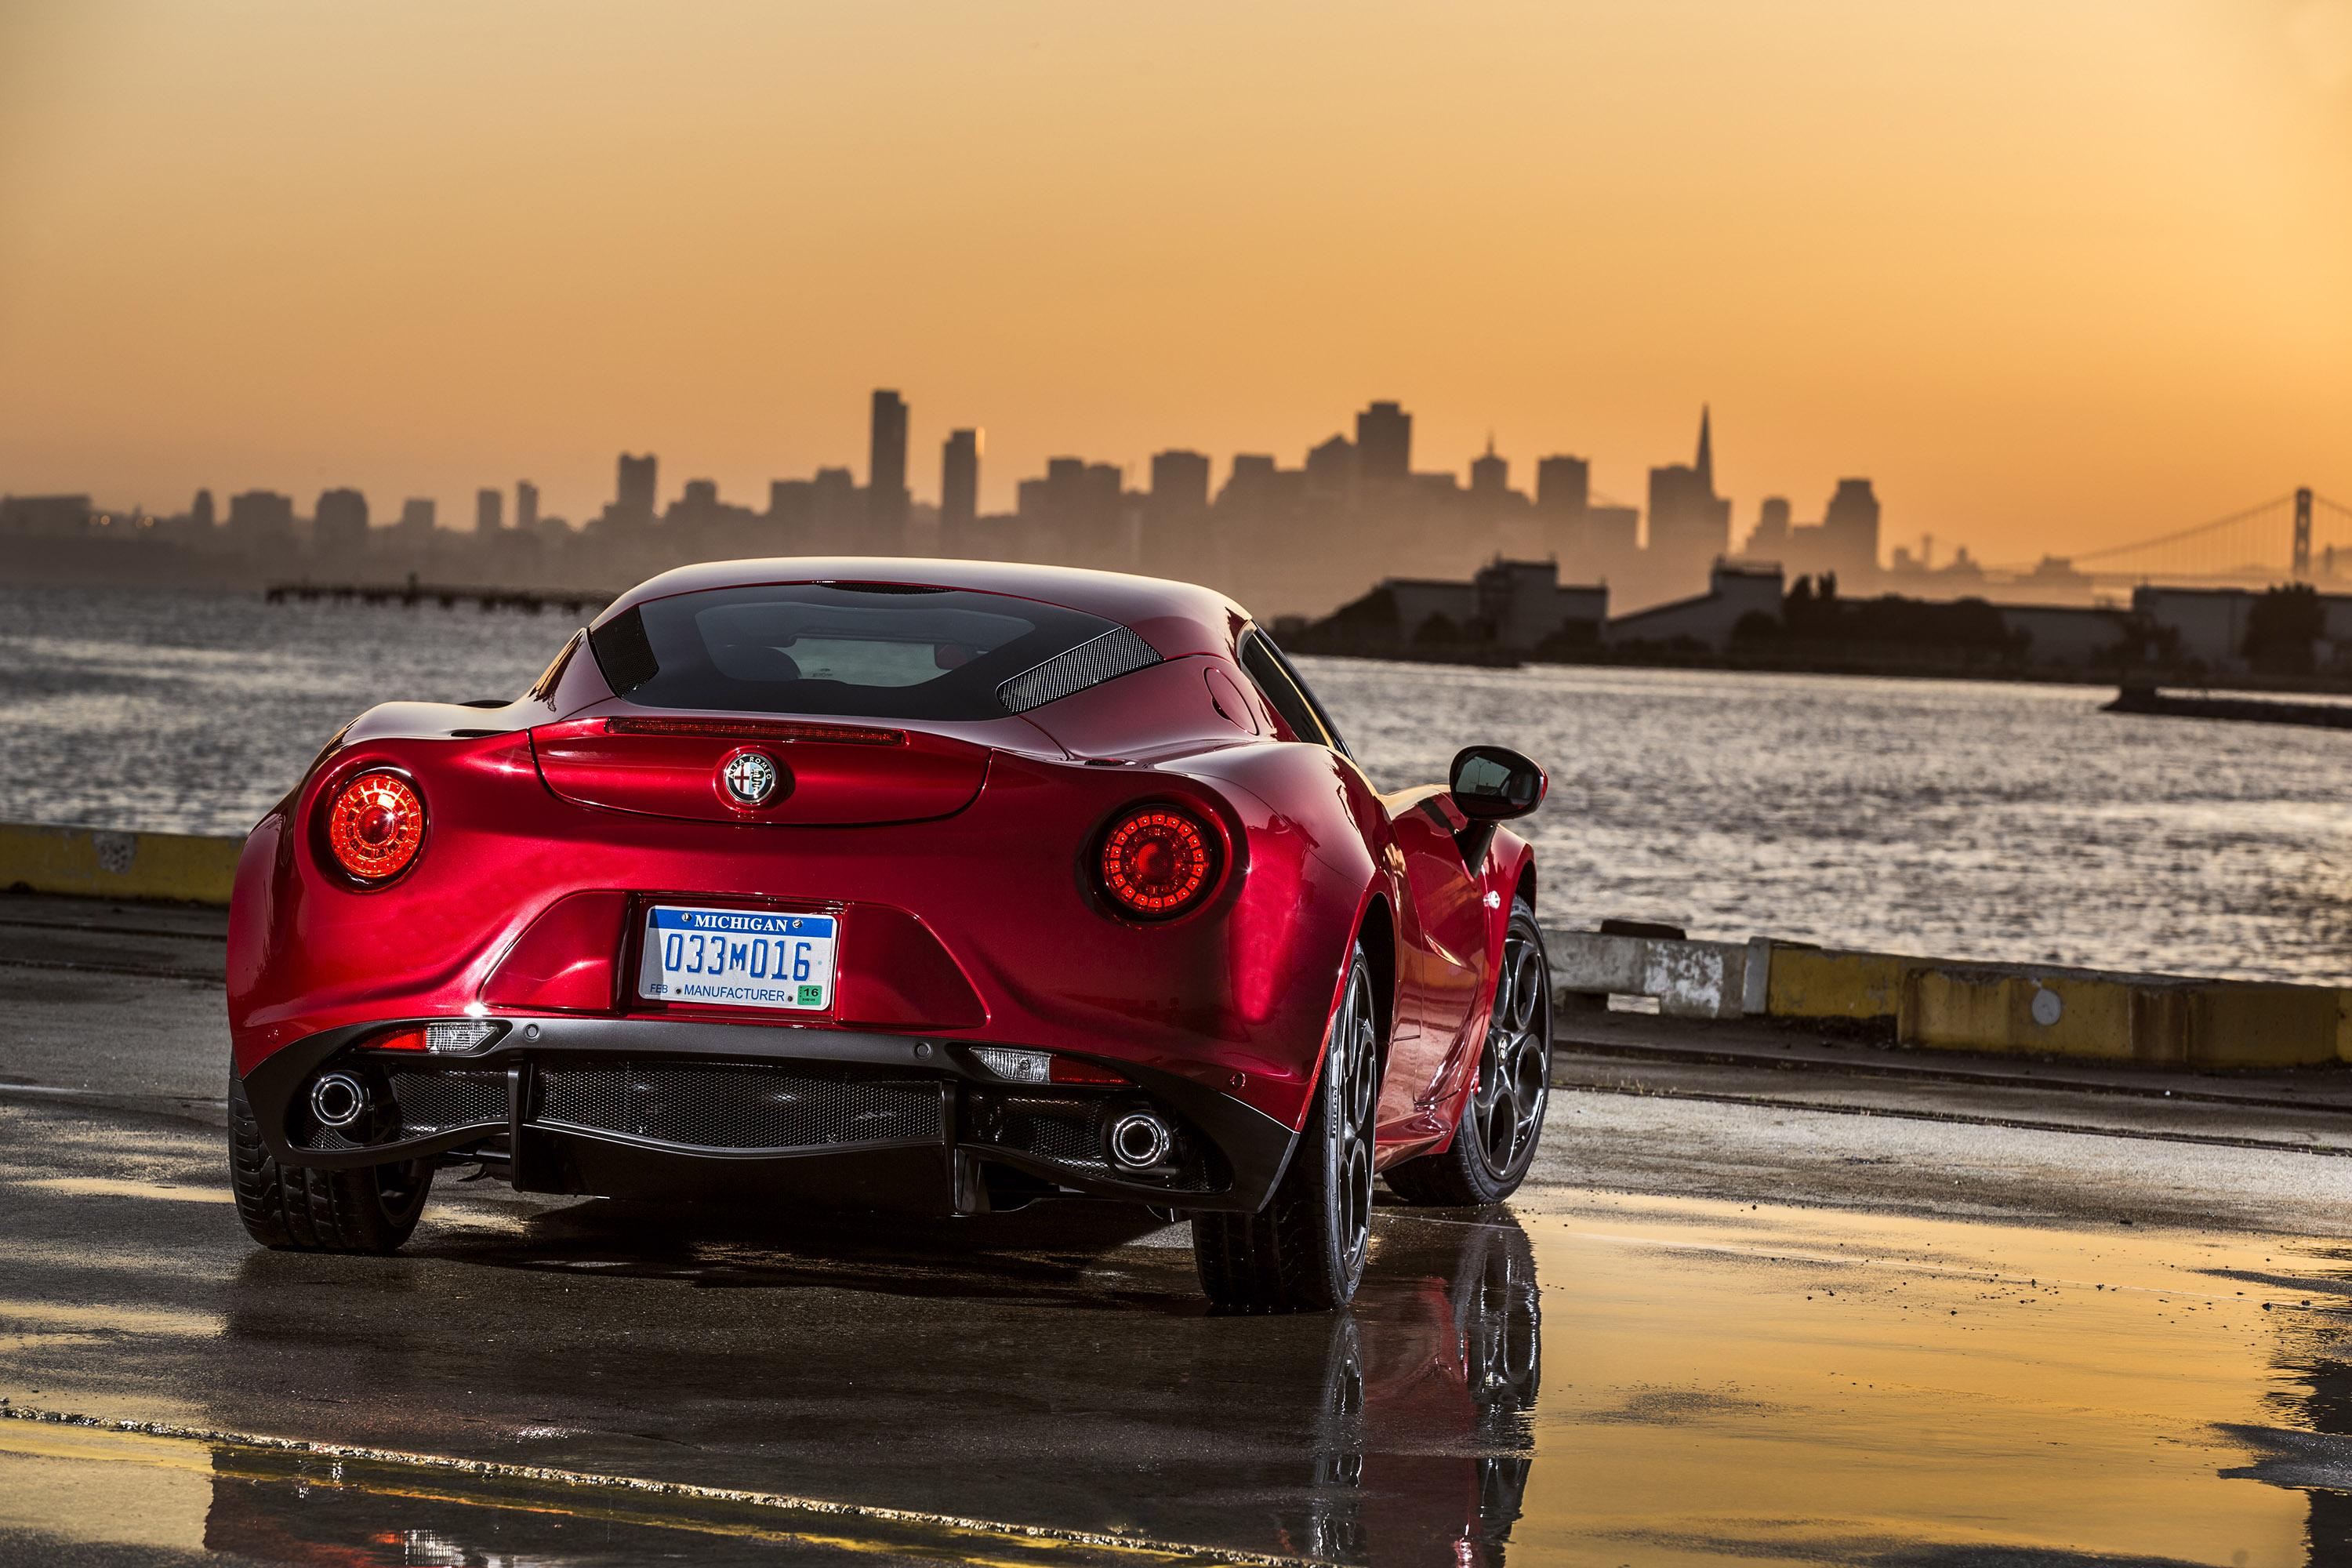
{"x": 1115, "y": 653}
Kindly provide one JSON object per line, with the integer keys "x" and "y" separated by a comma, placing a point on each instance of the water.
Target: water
{"x": 1959, "y": 819}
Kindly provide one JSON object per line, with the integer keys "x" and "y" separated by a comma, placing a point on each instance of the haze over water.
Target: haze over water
{"x": 1973, "y": 820}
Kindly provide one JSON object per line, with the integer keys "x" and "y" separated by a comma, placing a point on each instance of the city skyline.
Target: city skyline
{"x": 1292, "y": 540}
{"x": 2065, "y": 271}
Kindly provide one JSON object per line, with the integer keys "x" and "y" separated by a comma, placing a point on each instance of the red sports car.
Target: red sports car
{"x": 946, "y": 883}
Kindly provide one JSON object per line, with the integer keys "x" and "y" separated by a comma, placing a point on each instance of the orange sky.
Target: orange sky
{"x": 2054, "y": 273}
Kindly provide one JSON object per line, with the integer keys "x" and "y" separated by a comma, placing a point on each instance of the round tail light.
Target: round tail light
{"x": 375, "y": 826}
{"x": 1158, "y": 862}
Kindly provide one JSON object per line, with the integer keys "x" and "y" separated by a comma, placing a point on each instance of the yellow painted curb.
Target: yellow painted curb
{"x": 2045, "y": 1010}
{"x": 96, "y": 862}
{"x": 1829, "y": 982}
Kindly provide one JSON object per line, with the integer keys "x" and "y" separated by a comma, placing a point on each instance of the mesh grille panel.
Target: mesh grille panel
{"x": 738, "y": 1108}
{"x": 430, "y": 1101}
{"x": 1116, "y": 652}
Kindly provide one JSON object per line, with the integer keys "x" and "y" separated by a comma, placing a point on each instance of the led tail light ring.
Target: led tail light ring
{"x": 1157, "y": 862}
{"x": 375, "y": 826}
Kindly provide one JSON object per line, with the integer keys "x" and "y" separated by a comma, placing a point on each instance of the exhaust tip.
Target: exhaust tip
{"x": 338, "y": 1099}
{"x": 1139, "y": 1141}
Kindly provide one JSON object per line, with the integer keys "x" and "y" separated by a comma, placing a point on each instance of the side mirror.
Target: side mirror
{"x": 1495, "y": 784}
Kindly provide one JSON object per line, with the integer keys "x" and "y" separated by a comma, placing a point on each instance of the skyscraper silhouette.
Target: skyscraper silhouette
{"x": 526, "y": 506}
{"x": 1176, "y": 515}
{"x": 339, "y": 525}
{"x": 1690, "y": 525}
{"x": 1850, "y": 530}
{"x": 1384, "y": 443}
{"x": 1563, "y": 484}
{"x": 886, "y": 476}
{"x": 490, "y": 510}
{"x": 633, "y": 501}
{"x": 1490, "y": 475}
{"x": 959, "y": 491}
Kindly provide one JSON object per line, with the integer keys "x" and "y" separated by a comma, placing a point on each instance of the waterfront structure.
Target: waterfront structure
{"x": 1709, "y": 620}
{"x": 1517, "y": 607}
{"x": 416, "y": 521}
{"x": 46, "y": 517}
{"x": 2081, "y": 636}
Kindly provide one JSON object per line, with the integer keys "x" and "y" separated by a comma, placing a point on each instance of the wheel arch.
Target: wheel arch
{"x": 1376, "y": 932}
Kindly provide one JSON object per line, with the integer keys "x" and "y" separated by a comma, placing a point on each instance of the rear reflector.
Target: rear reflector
{"x": 1041, "y": 1067}
{"x": 404, "y": 1040}
{"x": 758, "y": 730}
{"x": 1019, "y": 1066}
{"x": 459, "y": 1037}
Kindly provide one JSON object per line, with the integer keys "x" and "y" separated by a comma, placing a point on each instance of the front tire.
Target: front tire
{"x": 1304, "y": 1252}
{"x": 299, "y": 1208}
{"x": 1496, "y": 1140}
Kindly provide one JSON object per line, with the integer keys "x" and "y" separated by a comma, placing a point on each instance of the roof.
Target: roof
{"x": 1175, "y": 618}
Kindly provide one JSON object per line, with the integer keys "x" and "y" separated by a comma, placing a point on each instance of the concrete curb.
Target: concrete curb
{"x": 96, "y": 862}
{"x": 1939, "y": 1003}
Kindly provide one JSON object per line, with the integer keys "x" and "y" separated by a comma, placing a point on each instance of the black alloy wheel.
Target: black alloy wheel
{"x": 300, "y": 1208}
{"x": 1305, "y": 1251}
{"x": 1503, "y": 1122}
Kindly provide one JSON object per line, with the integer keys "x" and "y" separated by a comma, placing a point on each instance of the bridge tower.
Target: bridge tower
{"x": 2303, "y": 535}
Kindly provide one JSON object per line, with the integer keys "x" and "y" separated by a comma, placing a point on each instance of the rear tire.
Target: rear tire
{"x": 1502, "y": 1122}
{"x": 299, "y": 1208}
{"x": 1304, "y": 1252}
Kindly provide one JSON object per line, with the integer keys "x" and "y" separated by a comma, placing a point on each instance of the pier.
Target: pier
{"x": 2147, "y": 700}
{"x": 412, "y": 593}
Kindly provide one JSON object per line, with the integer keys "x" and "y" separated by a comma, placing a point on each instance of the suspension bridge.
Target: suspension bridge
{"x": 2300, "y": 537}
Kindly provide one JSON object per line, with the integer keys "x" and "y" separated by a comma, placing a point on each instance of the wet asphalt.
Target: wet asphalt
{"x": 1841, "y": 1305}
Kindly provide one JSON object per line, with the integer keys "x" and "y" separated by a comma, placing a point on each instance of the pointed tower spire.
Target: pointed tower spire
{"x": 1705, "y": 451}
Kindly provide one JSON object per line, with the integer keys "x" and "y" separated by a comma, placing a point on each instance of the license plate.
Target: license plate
{"x": 739, "y": 958}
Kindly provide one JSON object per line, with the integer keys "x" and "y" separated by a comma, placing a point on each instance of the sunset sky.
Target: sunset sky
{"x": 2053, "y": 274}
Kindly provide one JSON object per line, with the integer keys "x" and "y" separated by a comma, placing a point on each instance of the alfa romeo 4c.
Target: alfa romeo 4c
{"x": 884, "y": 883}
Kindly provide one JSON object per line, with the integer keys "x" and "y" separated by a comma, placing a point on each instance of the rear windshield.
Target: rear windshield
{"x": 880, "y": 652}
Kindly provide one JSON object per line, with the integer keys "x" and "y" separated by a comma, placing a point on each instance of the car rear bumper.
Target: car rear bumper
{"x": 697, "y": 1110}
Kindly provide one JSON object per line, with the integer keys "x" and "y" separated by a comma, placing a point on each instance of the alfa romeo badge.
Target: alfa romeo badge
{"x": 750, "y": 778}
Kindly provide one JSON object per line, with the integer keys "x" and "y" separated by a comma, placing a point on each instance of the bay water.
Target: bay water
{"x": 1958, "y": 820}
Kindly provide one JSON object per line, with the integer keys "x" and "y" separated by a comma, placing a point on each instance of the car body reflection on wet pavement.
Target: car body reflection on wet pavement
{"x": 1405, "y": 1440}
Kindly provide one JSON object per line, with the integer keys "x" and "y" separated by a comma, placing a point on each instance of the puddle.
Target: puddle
{"x": 1593, "y": 1379}
{"x": 281, "y": 1504}
{"x": 1819, "y": 1386}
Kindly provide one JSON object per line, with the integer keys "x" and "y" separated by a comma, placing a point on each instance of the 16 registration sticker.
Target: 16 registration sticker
{"x": 738, "y": 958}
